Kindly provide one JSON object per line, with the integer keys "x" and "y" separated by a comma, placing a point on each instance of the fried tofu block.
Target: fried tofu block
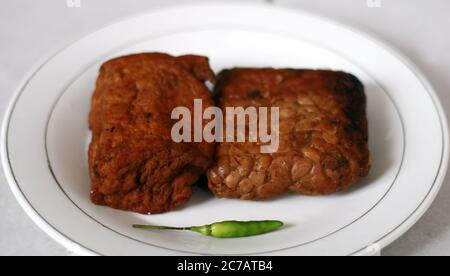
{"x": 323, "y": 134}
{"x": 133, "y": 162}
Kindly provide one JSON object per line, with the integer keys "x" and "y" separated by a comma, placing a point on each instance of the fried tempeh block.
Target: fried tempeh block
{"x": 323, "y": 134}
{"x": 133, "y": 162}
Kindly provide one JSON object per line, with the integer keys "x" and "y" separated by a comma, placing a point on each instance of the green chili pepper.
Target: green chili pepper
{"x": 226, "y": 229}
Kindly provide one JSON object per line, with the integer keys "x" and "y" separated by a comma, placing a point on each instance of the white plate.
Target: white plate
{"x": 45, "y": 136}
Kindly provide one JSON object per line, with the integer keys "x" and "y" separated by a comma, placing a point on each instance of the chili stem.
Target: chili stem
{"x": 160, "y": 227}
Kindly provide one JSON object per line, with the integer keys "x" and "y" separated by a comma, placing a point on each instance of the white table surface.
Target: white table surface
{"x": 29, "y": 29}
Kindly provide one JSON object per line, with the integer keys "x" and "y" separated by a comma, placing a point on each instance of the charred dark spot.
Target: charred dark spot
{"x": 95, "y": 170}
{"x": 308, "y": 136}
{"x": 111, "y": 129}
{"x": 148, "y": 116}
{"x": 330, "y": 162}
{"x": 334, "y": 162}
{"x": 343, "y": 162}
{"x": 255, "y": 94}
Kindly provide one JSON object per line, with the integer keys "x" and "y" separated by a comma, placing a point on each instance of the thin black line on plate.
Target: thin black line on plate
{"x": 240, "y": 29}
{"x": 15, "y": 101}
{"x": 9, "y": 160}
{"x": 426, "y": 87}
{"x": 227, "y": 27}
{"x": 441, "y": 123}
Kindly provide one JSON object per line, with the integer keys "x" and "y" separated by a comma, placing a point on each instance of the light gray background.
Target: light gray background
{"x": 29, "y": 29}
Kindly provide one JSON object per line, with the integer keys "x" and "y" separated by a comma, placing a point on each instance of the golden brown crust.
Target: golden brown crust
{"x": 323, "y": 134}
{"x": 134, "y": 164}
